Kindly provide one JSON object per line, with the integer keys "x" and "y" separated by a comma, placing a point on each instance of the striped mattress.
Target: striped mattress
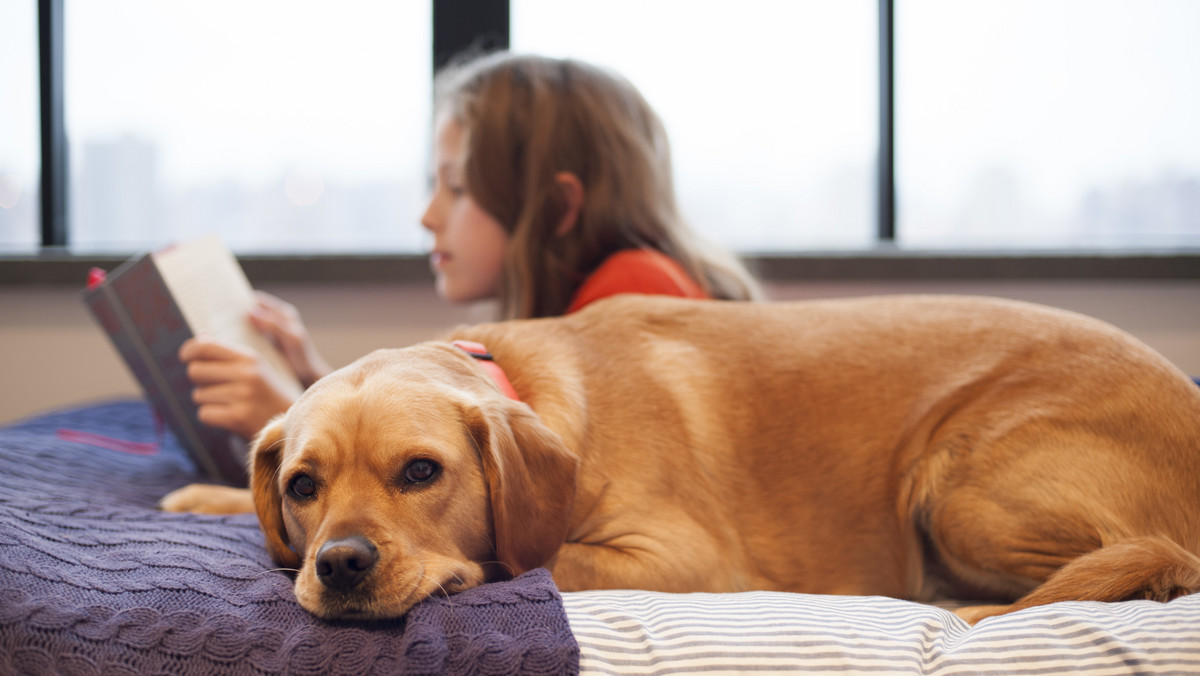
{"x": 634, "y": 632}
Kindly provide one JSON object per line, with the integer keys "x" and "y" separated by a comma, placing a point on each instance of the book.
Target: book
{"x": 154, "y": 302}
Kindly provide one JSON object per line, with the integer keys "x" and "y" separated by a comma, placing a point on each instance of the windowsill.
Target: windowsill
{"x": 894, "y": 263}
{"x": 60, "y": 268}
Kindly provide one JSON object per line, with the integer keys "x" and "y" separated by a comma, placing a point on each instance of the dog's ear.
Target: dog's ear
{"x": 531, "y": 482}
{"x": 265, "y": 453}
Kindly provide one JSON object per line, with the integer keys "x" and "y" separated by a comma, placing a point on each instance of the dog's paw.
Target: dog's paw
{"x": 208, "y": 499}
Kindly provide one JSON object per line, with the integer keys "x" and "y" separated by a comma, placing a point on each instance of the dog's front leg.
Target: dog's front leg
{"x": 208, "y": 499}
{"x": 642, "y": 562}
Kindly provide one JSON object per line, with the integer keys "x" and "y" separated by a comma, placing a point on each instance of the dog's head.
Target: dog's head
{"x": 408, "y": 474}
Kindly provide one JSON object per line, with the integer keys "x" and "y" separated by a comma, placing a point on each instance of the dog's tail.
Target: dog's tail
{"x": 1152, "y": 567}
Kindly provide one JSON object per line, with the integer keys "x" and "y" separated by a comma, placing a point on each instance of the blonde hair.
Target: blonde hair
{"x": 527, "y": 118}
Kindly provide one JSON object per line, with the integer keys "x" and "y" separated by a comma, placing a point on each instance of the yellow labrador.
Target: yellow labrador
{"x": 916, "y": 447}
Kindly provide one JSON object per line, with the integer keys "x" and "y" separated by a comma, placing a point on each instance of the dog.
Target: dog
{"x": 918, "y": 447}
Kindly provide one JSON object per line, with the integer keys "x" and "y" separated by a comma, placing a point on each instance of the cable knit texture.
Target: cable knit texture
{"x": 95, "y": 580}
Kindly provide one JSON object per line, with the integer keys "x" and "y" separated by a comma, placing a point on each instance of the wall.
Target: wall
{"x": 52, "y": 354}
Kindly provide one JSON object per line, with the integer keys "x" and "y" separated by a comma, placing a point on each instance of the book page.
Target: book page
{"x": 216, "y": 299}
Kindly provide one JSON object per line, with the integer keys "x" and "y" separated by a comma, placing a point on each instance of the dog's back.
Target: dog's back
{"x": 854, "y": 446}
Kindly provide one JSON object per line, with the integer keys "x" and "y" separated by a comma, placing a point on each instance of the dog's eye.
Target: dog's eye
{"x": 420, "y": 471}
{"x": 303, "y": 486}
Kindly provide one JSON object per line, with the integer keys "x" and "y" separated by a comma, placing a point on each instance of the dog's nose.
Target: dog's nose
{"x": 342, "y": 564}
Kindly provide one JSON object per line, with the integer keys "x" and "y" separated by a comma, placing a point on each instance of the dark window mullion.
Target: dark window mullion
{"x": 53, "y": 126}
{"x": 886, "y": 187}
{"x": 461, "y": 25}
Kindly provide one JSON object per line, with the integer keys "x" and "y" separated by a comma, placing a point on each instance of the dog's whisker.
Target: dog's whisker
{"x": 511, "y": 571}
{"x": 437, "y": 584}
{"x": 445, "y": 593}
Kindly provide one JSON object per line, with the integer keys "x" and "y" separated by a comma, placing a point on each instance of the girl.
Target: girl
{"x": 552, "y": 190}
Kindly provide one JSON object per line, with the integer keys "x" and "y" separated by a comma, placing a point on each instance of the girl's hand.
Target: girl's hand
{"x": 280, "y": 322}
{"x": 234, "y": 387}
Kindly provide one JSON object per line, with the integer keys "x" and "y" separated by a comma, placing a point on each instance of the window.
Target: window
{"x": 1030, "y": 123}
{"x": 283, "y": 126}
{"x": 304, "y": 127}
{"x": 19, "y": 155}
{"x": 771, "y": 107}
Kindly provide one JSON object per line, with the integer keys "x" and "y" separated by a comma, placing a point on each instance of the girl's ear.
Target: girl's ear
{"x": 570, "y": 190}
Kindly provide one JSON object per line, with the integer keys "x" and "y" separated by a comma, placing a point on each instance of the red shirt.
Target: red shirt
{"x": 636, "y": 271}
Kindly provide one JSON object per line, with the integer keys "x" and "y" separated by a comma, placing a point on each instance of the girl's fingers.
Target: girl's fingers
{"x": 221, "y": 393}
{"x": 208, "y": 349}
{"x": 270, "y": 301}
{"x": 226, "y": 366}
{"x": 275, "y": 307}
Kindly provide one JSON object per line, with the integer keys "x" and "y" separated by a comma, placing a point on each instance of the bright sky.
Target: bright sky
{"x": 241, "y": 88}
{"x": 770, "y": 104}
{"x": 1073, "y": 93}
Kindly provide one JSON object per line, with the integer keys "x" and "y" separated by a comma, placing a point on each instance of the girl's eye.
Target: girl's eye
{"x": 303, "y": 486}
{"x": 420, "y": 471}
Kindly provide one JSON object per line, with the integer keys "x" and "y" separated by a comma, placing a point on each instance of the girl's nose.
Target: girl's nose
{"x": 429, "y": 219}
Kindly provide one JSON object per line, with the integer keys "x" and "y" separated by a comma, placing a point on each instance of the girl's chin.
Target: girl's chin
{"x": 449, "y": 293}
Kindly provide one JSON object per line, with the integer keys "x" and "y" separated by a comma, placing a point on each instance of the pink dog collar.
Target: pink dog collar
{"x": 488, "y": 364}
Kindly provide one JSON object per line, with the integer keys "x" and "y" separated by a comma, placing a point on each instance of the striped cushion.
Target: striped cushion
{"x": 633, "y": 632}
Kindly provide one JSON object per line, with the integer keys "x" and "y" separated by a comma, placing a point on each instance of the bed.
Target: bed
{"x": 95, "y": 580}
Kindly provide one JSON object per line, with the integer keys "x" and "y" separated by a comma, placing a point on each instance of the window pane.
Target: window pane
{"x": 19, "y": 136}
{"x": 1048, "y": 122}
{"x": 281, "y": 125}
{"x": 770, "y": 106}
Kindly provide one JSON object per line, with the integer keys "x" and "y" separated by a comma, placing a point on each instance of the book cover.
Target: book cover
{"x": 154, "y": 302}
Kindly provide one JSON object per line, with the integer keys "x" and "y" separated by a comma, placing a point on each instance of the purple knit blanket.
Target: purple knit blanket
{"x": 95, "y": 580}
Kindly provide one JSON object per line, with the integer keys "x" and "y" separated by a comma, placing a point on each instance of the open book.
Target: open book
{"x": 154, "y": 302}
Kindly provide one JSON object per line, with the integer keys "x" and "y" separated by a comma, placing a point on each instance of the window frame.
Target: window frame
{"x": 463, "y": 24}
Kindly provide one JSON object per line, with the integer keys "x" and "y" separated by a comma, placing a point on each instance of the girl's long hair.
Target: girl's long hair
{"x": 526, "y": 118}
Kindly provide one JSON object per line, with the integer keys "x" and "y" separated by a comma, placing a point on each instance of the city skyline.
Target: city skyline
{"x": 111, "y": 190}
{"x": 1064, "y": 143}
